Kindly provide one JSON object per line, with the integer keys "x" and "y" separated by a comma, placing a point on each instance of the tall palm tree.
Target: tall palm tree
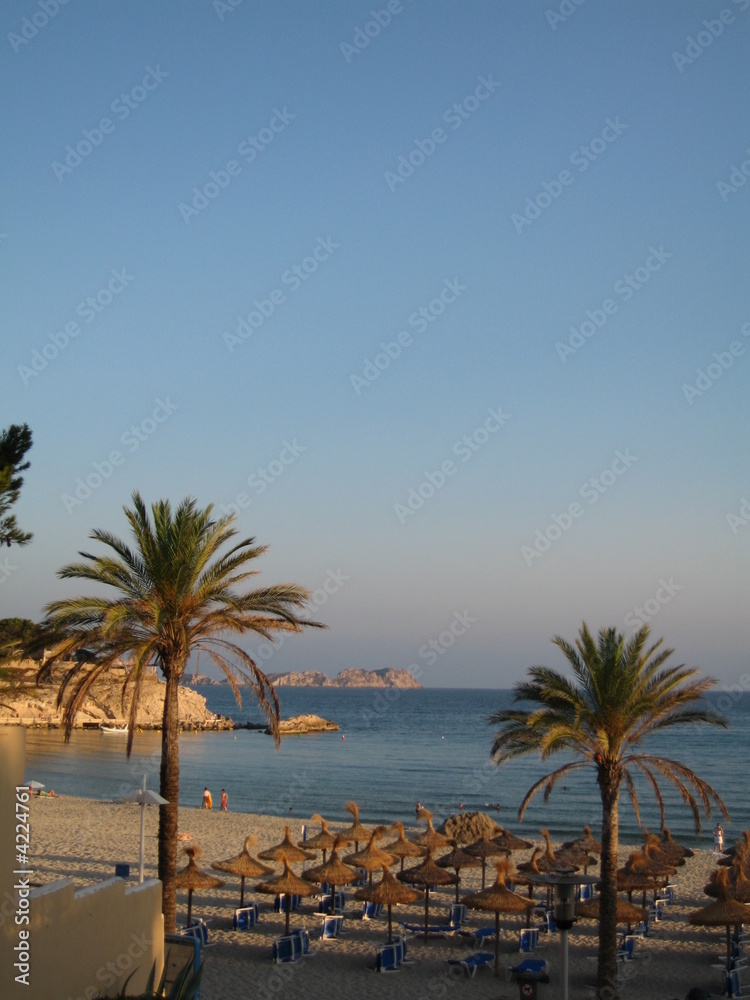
{"x": 173, "y": 593}
{"x": 621, "y": 693}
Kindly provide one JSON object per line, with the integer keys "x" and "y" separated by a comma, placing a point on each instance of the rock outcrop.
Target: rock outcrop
{"x": 351, "y": 678}
{"x": 468, "y": 827}
{"x": 24, "y": 702}
{"x": 300, "y": 725}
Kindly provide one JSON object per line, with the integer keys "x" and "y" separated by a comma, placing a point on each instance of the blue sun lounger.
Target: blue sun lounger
{"x": 470, "y": 964}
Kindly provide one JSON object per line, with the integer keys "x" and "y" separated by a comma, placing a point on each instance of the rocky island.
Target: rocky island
{"x": 351, "y": 678}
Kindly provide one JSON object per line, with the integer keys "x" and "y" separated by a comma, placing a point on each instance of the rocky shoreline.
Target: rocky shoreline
{"x": 23, "y": 702}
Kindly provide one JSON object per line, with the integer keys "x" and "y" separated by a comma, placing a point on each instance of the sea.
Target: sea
{"x": 396, "y": 748}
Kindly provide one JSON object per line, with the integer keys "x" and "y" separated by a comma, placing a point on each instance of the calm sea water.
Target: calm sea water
{"x": 394, "y": 748}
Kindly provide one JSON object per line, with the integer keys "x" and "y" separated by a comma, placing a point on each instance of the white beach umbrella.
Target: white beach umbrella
{"x": 33, "y": 786}
{"x": 144, "y": 797}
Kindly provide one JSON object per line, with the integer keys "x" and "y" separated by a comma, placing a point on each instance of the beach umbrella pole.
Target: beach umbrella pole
{"x": 190, "y": 907}
{"x": 497, "y": 943}
{"x": 287, "y": 907}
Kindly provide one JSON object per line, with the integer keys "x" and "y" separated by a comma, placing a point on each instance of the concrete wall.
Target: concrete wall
{"x": 82, "y": 943}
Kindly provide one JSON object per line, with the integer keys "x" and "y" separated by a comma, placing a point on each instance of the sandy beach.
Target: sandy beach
{"x": 83, "y": 839}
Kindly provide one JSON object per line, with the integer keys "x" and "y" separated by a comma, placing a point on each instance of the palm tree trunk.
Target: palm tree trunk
{"x": 169, "y": 780}
{"x": 606, "y": 978}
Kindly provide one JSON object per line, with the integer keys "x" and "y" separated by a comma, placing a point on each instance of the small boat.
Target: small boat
{"x": 119, "y": 730}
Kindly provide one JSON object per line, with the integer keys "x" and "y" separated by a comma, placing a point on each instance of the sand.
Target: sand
{"x": 83, "y": 839}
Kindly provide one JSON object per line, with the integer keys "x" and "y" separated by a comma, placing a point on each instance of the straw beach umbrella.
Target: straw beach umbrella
{"x": 722, "y": 912}
{"x": 483, "y": 849}
{"x": 458, "y": 859}
{"x": 587, "y": 841}
{"x": 244, "y": 865}
{"x": 389, "y": 893}
{"x": 322, "y": 841}
{"x": 401, "y": 847}
{"x": 430, "y": 840}
{"x": 627, "y": 913}
{"x": 370, "y": 857}
{"x": 671, "y": 848}
{"x": 333, "y": 871}
{"x": 288, "y": 884}
{"x": 427, "y": 874}
{"x": 192, "y": 878}
{"x": 498, "y": 899}
{"x": 510, "y": 841}
{"x": 356, "y": 832}
{"x": 286, "y": 850}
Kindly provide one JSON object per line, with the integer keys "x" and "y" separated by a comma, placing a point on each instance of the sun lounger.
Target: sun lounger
{"x": 331, "y": 927}
{"x": 371, "y": 910}
{"x": 482, "y": 933}
{"x": 529, "y": 939}
{"x": 279, "y": 903}
{"x": 245, "y": 917}
{"x": 399, "y": 943}
{"x": 433, "y": 930}
{"x": 457, "y": 915}
{"x": 470, "y": 964}
{"x": 287, "y": 949}
{"x": 324, "y": 902}
{"x": 387, "y": 958}
{"x": 304, "y": 939}
{"x": 530, "y": 968}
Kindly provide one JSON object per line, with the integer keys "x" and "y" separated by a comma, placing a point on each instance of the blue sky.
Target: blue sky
{"x": 259, "y": 196}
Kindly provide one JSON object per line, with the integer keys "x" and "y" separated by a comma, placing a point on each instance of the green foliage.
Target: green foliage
{"x": 14, "y": 443}
{"x": 17, "y": 635}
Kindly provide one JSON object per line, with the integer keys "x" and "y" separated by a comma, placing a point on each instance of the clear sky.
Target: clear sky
{"x": 449, "y": 300}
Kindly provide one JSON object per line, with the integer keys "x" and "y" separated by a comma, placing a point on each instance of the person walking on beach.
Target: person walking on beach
{"x": 223, "y": 806}
{"x": 207, "y": 800}
{"x": 718, "y": 839}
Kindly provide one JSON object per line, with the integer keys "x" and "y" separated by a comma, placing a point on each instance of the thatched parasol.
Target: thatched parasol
{"x": 626, "y": 912}
{"x": 356, "y": 832}
{"x": 458, "y": 859}
{"x": 498, "y": 899}
{"x": 575, "y": 857}
{"x": 244, "y": 865}
{"x": 588, "y": 842}
{"x": 723, "y": 911}
{"x": 370, "y": 857}
{"x": 388, "y": 892}
{"x": 430, "y": 839}
{"x": 286, "y": 851}
{"x": 671, "y": 848}
{"x": 483, "y": 849}
{"x": 401, "y": 847}
{"x": 322, "y": 841}
{"x": 547, "y": 861}
{"x": 287, "y": 884}
{"x": 333, "y": 871}
{"x": 427, "y": 874}
{"x": 510, "y": 841}
{"x": 737, "y": 882}
{"x": 192, "y": 878}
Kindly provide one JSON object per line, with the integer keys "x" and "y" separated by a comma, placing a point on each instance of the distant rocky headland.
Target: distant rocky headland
{"x": 352, "y": 678}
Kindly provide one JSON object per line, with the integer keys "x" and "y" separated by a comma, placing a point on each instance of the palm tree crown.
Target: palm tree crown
{"x": 621, "y": 693}
{"x": 174, "y": 593}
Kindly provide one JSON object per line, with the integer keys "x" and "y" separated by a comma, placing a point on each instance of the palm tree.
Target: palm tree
{"x": 620, "y": 694}
{"x": 173, "y": 594}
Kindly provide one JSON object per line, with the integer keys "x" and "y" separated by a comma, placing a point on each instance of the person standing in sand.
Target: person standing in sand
{"x": 223, "y": 805}
{"x": 718, "y": 839}
{"x": 207, "y": 800}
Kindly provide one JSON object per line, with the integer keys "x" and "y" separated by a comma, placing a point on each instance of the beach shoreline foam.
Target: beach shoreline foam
{"x": 83, "y": 839}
